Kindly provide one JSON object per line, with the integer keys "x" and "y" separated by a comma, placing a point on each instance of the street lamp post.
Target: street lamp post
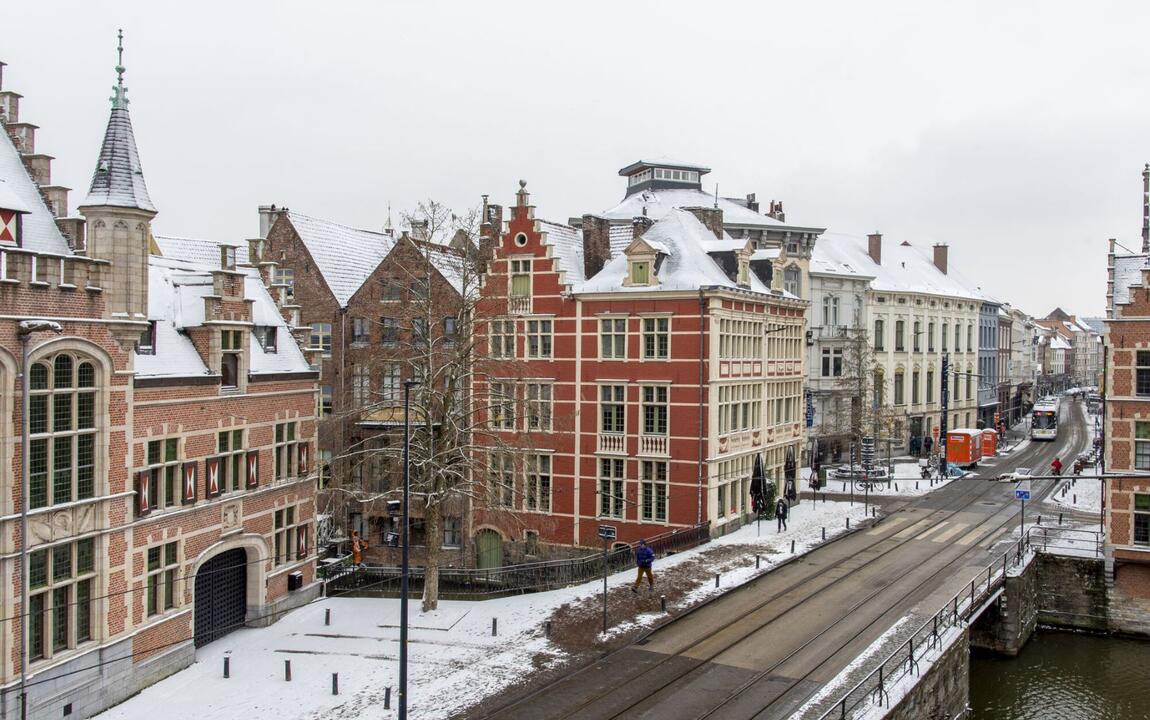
{"x": 403, "y": 578}
{"x": 24, "y": 332}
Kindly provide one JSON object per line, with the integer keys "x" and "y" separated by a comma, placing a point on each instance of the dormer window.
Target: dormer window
{"x": 640, "y": 272}
{"x": 231, "y": 347}
{"x": 744, "y": 272}
{"x": 227, "y": 257}
{"x": 266, "y": 335}
{"x": 146, "y": 345}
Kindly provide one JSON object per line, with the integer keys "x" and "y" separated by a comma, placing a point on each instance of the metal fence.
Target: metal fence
{"x": 874, "y": 689}
{"x": 471, "y": 583}
{"x": 1055, "y": 540}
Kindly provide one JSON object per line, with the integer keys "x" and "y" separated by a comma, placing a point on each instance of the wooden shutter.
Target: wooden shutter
{"x": 189, "y": 482}
{"x": 253, "y": 460}
{"x": 143, "y": 494}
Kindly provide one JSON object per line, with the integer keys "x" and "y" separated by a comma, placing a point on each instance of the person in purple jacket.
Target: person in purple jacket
{"x": 644, "y": 558}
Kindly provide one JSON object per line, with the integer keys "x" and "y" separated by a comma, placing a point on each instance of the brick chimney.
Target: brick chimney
{"x": 940, "y": 257}
{"x": 752, "y": 202}
{"x": 639, "y": 225}
{"x": 874, "y": 247}
{"x": 775, "y": 210}
{"x": 712, "y": 217}
{"x": 268, "y": 216}
{"x": 490, "y": 227}
{"x": 596, "y": 244}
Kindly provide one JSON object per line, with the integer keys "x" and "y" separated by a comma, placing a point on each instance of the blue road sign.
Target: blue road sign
{"x": 1022, "y": 494}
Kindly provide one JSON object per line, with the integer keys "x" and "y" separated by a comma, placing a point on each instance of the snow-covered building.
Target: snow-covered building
{"x": 170, "y": 436}
{"x": 916, "y": 309}
{"x": 651, "y": 369}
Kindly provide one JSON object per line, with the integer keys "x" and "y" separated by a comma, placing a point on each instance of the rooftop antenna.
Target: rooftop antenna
{"x": 119, "y": 92}
{"x": 1146, "y": 208}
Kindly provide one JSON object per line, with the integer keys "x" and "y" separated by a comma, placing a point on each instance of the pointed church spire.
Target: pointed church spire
{"x": 119, "y": 179}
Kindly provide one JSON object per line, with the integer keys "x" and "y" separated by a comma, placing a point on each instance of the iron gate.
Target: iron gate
{"x": 221, "y": 596}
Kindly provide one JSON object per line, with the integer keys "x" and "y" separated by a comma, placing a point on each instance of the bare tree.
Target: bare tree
{"x": 864, "y": 384}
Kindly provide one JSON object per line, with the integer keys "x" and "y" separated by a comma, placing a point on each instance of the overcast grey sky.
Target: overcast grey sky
{"x": 1015, "y": 131}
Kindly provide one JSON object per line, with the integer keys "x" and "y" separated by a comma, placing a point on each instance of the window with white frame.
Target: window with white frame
{"x": 325, "y": 399}
{"x": 163, "y": 570}
{"x": 957, "y": 329}
{"x": 539, "y": 338}
{"x": 830, "y": 311}
{"x": 290, "y": 535}
{"x": 899, "y": 386}
{"x": 655, "y": 409}
{"x": 502, "y": 404}
{"x": 611, "y": 487}
{"x": 1142, "y": 373}
{"x": 945, "y": 330}
{"x": 501, "y": 480}
{"x": 62, "y": 427}
{"x": 917, "y": 334}
{"x": 930, "y": 386}
{"x": 60, "y": 584}
{"x": 914, "y": 387}
{"x": 391, "y": 382}
{"x": 388, "y": 331}
{"x": 390, "y": 289}
{"x": 832, "y": 362}
{"x": 360, "y": 385}
{"x": 537, "y": 497}
{"x": 612, "y": 408}
{"x": 538, "y": 397}
{"x": 231, "y": 354}
{"x": 930, "y": 337}
{"x": 452, "y": 531}
{"x": 320, "y": 337}
{"x": 1141, "y": 519}
{"x": 502, "y": 338}
{"x": 741, "y": 339}
{"x": 879, "y": 330}
{"x": 267, "y": 336}
{"x": 656, "y": 338}
{"x": 740, "y": 407}
{"x": 286, "y": 450}
{"x": 285, "y": 277}
{"x": 613, "y": 338}
{"x": 900, "y": 335}
{"x": 163, "y": 472}
{"x": 360, "y": 331}
{"x": 1142, "y": 445}
{"x": 520, "y": 285}
{"x": 792, "y": 281}
{"x": 233, "y": 451}
{"x": 653, "y": 490}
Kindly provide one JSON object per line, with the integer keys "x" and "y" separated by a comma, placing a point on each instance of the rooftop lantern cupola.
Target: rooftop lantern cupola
{"x": 663, "y": 175}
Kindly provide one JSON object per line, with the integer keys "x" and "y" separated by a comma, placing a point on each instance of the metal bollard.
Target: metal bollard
{"x": 287, "y": 670}
{"x": 848, "y": 523}
{"x": 494, "y": 627}
{"x": 758, "y": 559}
{"x": 716, "y": 579}
{"x": 792, "y": 547}
{"x": 1059, "y": 518}
{"x": 916, "y": 484}
{"x": 824, "y": 534}
{"x": 547, "y": 629}
{"x": 227, "y": 667}
{"x": 335, "y": 683}
{"x": 824, "y": 498}
{"x": 896, "y": 487}
{"x": 387, "y": 698}
{"x": 327, "y": 617}
{"x": 1074, "y": 499}
{"x": 663, "y": 603}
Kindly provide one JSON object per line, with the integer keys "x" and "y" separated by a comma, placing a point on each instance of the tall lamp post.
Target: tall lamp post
{"x": 24, "y": 332}
{"x": 403, "y": 578}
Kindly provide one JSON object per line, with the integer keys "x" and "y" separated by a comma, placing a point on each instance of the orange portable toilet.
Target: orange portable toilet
{"x": 989, "y": 442}
{"x": 964, "y": 447}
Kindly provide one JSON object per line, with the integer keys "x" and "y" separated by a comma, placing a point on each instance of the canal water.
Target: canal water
{"x": 1064, "y": 676}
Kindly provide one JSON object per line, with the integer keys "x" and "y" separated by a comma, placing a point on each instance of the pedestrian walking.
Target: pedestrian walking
{"x": 781, "y": 510}
{"x": 358, "y": 545}
{"x": 644, "y": 558}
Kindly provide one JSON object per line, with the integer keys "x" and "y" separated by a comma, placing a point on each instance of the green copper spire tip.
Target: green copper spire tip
{"x": 119, "y": 92}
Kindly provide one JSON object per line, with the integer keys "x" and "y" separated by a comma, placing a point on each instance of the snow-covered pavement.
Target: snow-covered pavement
{"x": 907, "y": 482}
{"x": 455, "y": 659}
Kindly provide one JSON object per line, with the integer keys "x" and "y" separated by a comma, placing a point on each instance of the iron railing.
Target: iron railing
{"x": 470, "y": 583}
{"x": 1057, "y": 540}
{"x": 874, "y": 689}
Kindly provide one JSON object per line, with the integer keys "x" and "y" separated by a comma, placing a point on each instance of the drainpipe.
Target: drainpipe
{"x": 702, "y": 389}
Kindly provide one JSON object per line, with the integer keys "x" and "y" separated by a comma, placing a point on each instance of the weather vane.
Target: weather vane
{"x": 119, "y": 92}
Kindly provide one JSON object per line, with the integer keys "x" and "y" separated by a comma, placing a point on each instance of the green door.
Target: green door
{"x": 488, "y": 549}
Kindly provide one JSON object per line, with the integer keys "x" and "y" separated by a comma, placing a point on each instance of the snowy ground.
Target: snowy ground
{"x": 455, "y": 660}
{"x": 907, "y": 482}
{"x": 1084, "y": 494}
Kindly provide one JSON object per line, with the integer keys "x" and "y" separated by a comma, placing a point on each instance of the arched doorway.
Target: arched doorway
{"x": 488, "y": 549}
{"x": 221, "y": 595}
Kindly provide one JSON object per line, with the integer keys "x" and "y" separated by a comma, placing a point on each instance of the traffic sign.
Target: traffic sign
{"x": 1022, "y": 490}
{"x": 607, "y": 532}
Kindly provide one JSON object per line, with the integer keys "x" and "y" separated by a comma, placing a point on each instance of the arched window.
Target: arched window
{"x": 792, "y": 281}
{"x": 62, "y": 429}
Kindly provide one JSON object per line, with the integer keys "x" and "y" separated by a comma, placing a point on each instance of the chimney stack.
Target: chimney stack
{"x": 775, "y": 210}
{"x": 419, "y": 230}
{"x": 268, "y": 216}
{"x": 712, "y": 217}
{"x": 940, "y": 250}
{"x": 752, "y": 202}
{"x": 490, "y": 228}
{"x": 596, "y": 244}
{"x": 639, "y": 225}
{"x": 874, "y": 247}
{"x": 1146, "y": 209}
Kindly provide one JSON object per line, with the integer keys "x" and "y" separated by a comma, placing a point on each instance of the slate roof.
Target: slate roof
{"x": 345, "y": 256}
{"x": 1127, "y": 274}
{"x": 198, "y": 251}
{"x": 660, "y": 202}
{"x": 39, "y": 231}
{"x": 904, "y": 268}
{"x": 119, "y": 179}
{"x": 687, "y": 266}
{"x": 567, "y": 248}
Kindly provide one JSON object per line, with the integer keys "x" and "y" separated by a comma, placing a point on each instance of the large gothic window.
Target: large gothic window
{"x": 62, "y": 428}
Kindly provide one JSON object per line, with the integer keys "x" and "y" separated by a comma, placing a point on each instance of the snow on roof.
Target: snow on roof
{"x": 119, "y": 179}
{"x": 663, "y": 161}
{"x": 1096, "y": 324}
{"x": 659, "y": 202}
{"x": 904, "y": 268}
{"x": 766, "y": 254}
{"x": 687, "y": 266}
{"x": 1057, "y": 342}
{"x": 1127, "y": 274}
{"x": 197, "y": 250}
{"x": 176, "y": 292}
{"x": 38, "y": 226}
{"x": 567, "y": 248}
{"x": 619, "y": 236}
{"x": 345, "y": 256}
{"x": 451, "y": 264}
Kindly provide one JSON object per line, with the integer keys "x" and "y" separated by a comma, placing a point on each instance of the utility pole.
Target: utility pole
{"x": 944, "y": 407}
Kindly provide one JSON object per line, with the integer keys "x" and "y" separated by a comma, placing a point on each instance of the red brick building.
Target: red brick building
{"x": 634, "y": 372}
{"x": 171, "y": 425}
